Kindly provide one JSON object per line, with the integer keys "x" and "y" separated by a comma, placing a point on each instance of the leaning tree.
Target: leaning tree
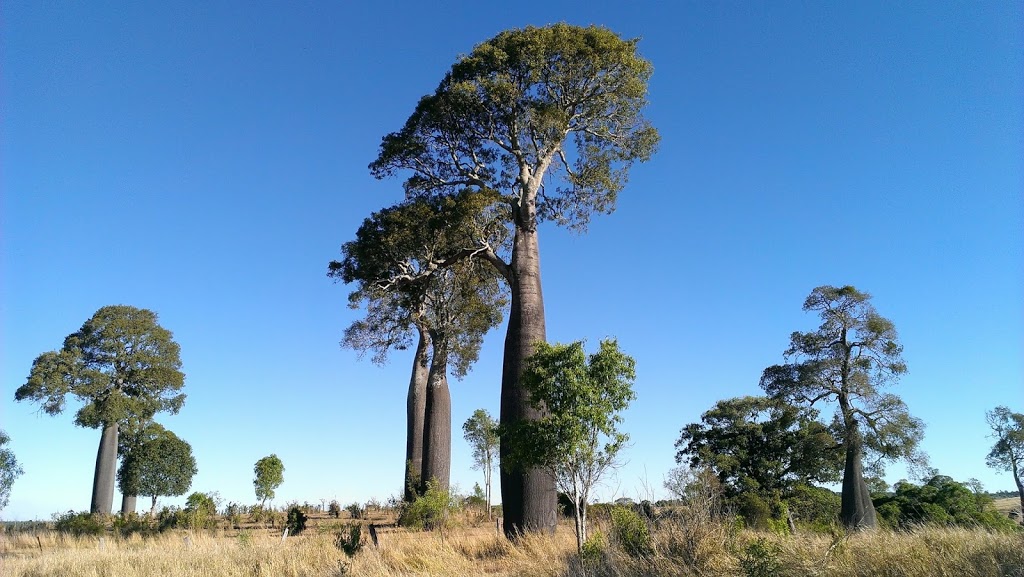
{"x": 122, "y": 365}
{"x": 848, "y": 361}
{"x": 1008, "y": 451}
{"x": 549, "y": 120}
{"x": 411, "y": 279}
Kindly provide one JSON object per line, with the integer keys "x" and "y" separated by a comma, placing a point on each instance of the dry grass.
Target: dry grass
{"x": 697, "y": 550}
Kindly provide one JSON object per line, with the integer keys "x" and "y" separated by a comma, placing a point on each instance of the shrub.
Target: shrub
{"x": 78, "y": 524}
{"x": 130, "y": 524}
{"x": 200, "y": 511}
{"x": 355, "y": 510}
{"x": 334, "y": 509}
{"x": 296, "y": 520}
{"x": 593, "y": 548}
{"x": 349, "y": 539}
{"x": 761, "y": 559}
{"x": 430, "y": 511}
{"x": 631, "y": 532}
{"x": 233, "y": 512}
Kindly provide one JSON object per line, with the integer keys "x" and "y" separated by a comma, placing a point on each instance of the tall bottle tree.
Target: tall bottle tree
{"x": 399, "y": 263}
{"x": 548, "y": 119}
{"x": 852, "y": 356}
{"x": 122, "y": 365}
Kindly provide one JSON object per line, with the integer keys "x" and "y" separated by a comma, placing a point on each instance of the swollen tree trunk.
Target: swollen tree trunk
{"x": 528, "y": 497}
{"x": 857, "y": 512}
{"x": 106, "y": 468}
{"x": 128, "y": 504}
{"x": 416, "y": 408}
{"x": 437, "y": 429}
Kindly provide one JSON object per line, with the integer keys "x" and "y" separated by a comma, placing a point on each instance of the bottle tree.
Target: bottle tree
{"x": 121, "y": 365}
{"x": 549, "y": 120}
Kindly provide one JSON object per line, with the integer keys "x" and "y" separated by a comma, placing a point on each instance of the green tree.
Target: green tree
{"x": 577, "y": 439}
{"x": 760, "y": 444}
{"x": 9, "y": 470}
{"x": 269, "y": 473}
{"x": 1008, "y": 452}
{"x": 394, "y": 264}
{"x": 481, "y": 432}
{"x": 549, "y": 121}
{"x": 161, "y": 464}
{"x": 847, "y": 361}
{"x": 122, "y": 365}
{"x": 940, "y": 501}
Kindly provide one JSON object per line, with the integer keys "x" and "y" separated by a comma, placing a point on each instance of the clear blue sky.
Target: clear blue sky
{"x": 206, "y": 160}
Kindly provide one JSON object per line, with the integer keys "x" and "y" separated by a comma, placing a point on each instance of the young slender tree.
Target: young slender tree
{"x": 847, "y": 362}
{"x": 394, "y": 263}
{"x": 481, "y": 432}
{"x": 1008, "y": 452}
{"x": 269, "y": 474}
{"x": 577, "y": 440}
{"x": 9, "y": 470}
{"x": 122, "y": 365}
{"x": 548, "y": 119}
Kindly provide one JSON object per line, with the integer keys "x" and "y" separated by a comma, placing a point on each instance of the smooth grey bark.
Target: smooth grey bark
{"x": 106, "y": 469}
{"x": 152, "y": 507}
{"x": 416, "y": 407}
{"x": 857, "y": 512}
{"x": 437, "y": 435}
{"x": 128, "y": 504}
{"x": 528, "y": 496}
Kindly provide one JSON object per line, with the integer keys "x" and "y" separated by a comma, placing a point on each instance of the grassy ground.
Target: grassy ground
{"x": 701, "y": 549}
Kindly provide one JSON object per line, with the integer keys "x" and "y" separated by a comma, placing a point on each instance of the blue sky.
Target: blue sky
{"x": 207, "y": 160}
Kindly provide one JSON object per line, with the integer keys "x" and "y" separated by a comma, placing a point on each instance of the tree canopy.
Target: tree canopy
{"x": 9, "y": 469}
{"x": 157, "y": 464}
{"x": 269, "y": 474}
{"x": 1007, "y": 453}
{"x": 761, "y": 444}
{"x": 577, "y": 439}
{"x": 848, "y": 361}
{"x": 121, "y": 365}
{"x": 481, "y": 432}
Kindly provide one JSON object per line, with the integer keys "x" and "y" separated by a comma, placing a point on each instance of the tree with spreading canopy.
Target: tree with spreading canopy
{"x": 1007, "y": 453}
{"x": 548, "y": 120}
{"x": 450, "y": 309}
{"x": 762, "y": 445}
{"x": 156, "y": 464}
{"x": 481, "y": 432}
{"x": 269, "y": 474}
{"x": 122, "y": 365}
{"x": 9, "y": 470}
{"x": 577, "y": 440}
{"x": 848, "y": 361}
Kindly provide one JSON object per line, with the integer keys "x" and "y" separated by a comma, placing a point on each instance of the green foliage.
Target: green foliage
{"x": 234, "y": 512}
{"x": 334, "y": 509}
{"x": 761, "y": 559}
{"x": 940, "y": 501}
{"x": 355, "y": 510}
{"x": 200, "y": 511}
{"x": 269, "y": 474}
{"x": 121, "y": 364}
{"x": 814, "y": 508}
{"x": 349, "y": 539}
{"x": 9, "y": 469}
{"x": 132, "y": 524}
{"x": 761, "y": 444}
{"x": 296, "y": 522}
{"x": 477, "y": 498}
{"x": 1007, "y": 453}
{"x": 631, "y": 533}
{"x": 158, "y": 463}
{"x": 432, "y": 510}
{"x": 79, "y": 524}
{"x": 594, "y": 549}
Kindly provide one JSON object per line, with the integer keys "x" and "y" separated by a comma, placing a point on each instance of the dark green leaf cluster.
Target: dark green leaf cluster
{"x": 481, "y": 432}
{"x": 1007, "y": 453}
{"x": 155, "y": 463}
{"x": 9, "y": 469}
{"x": 940, "y": 501}
{"x": 269, "y": 474}
{"x": 121, "y": 364}
{"x": 762, "y": 445}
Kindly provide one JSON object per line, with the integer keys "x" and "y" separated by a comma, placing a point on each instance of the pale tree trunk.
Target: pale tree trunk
{"x": 152, "y": 507}
{"x": 106, "y": 468}
{"x": 437, "y": 436}
{"x": 857, "y": 512}
{"x": 529, "y": 499}
{"x": 1020, "y": 486}
{"x": 416, "y": 407}
{"x": 128, "y": 503}
{"x": 487, "y": 485}
{"x": 580, "y": 516}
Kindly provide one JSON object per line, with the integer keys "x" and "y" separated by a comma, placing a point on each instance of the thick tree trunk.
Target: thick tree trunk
{"x": 416, "y": 408}
{"x": 528, "y": 496}
{"x": 1020, "y": 485}
{"x": 128, "y": 503}
{"x": 857, "y": 512}
{"x": 106, "y": 469}
{"x": 437, "y": 430}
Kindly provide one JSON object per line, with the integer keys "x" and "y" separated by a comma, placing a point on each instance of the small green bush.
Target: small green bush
{"x": 355, "y": 510}
{"x": 594, "y": 548}
{"x": 432, "y": 510}
{"x": 296, "y": 520}
{"x": 349, "y": 539}
{"x": 131, "y": 524}
{"x": 631, "y": 532}
{"x": 334, "y": 509}
{"x": 79, "y": 524}
{"x": 761, "y": 559}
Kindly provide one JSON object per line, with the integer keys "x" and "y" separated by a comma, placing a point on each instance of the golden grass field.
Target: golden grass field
{"x": 698, "y": 550}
